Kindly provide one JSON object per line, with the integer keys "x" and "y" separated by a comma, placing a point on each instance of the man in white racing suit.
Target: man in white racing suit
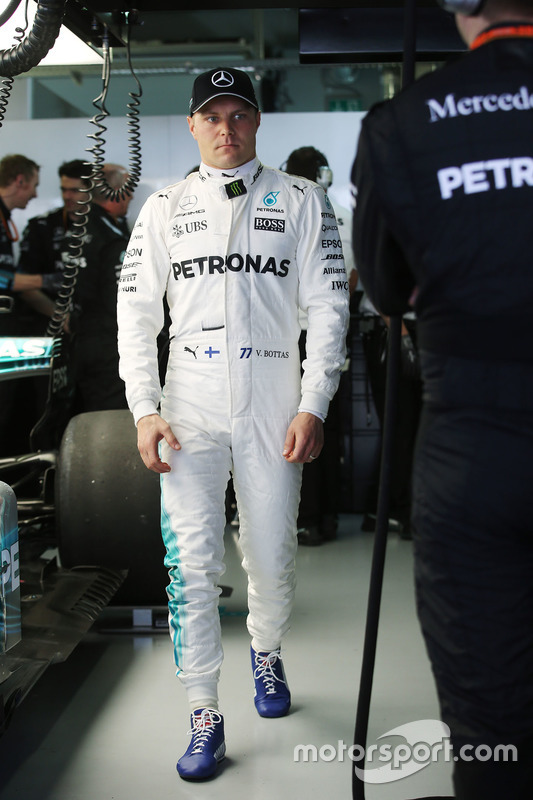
{"x": 238, "y": 249}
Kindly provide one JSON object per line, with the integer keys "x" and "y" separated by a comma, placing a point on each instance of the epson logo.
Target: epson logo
{"x": 269, "y": 224}
{"x": 478, "y": 104}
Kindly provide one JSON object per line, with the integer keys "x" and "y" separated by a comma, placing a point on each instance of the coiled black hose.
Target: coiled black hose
{"x": 38, "y": 42}
{"x": 132, "y": 116}
{"x": 6, "y": 85}
{"x": 96, "y": 180}
{"x": 9, "y": 11}
{"x": 72, "y": 262}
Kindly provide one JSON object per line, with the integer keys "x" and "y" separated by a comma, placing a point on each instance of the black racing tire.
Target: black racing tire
{"x": 108, "y": 505}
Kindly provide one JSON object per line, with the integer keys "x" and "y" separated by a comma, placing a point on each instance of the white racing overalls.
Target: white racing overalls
{"x": 237, "y": 259}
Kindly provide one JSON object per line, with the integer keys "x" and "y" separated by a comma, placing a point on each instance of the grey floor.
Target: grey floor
{"x": 110, "y": 722}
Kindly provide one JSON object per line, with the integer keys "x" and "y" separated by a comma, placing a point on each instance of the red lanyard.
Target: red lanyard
{"x": 11, "y": 228}
{"x": 503, "y": 32}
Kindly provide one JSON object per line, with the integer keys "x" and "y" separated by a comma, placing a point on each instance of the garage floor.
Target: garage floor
{"x": 110, "y": 722}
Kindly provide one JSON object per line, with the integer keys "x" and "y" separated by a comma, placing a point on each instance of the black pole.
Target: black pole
{"x": 409, "y": 43}
{"x": 382, "y": 516}
{"x": 378, "y": 557}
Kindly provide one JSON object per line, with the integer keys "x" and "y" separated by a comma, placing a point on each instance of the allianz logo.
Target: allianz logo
{"x": 521, "y": 100}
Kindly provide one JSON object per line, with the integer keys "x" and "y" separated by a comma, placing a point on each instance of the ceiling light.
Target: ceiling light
{"x": 67, "y": 49}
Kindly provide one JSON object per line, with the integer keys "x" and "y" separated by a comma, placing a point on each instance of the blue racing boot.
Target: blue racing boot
{"x": 207, "y": 746}
{"x": 272, "y": 695}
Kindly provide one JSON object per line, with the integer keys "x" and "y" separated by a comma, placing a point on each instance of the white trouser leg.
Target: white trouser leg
{"x": 221, "y": 424}
{"x": 193, "y": 521}
{"x": 268, "y": 492}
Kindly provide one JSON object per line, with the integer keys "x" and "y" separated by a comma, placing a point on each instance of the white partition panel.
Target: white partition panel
{"x": 169, "y": 151}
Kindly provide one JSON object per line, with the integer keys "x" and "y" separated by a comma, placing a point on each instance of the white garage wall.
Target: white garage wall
{"x": 169, "y": 151}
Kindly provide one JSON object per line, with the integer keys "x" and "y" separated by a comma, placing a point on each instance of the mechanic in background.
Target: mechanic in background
{"x": 44, "y": 246}
{"x": 320, "y": 494}
{"x": 19, "y": 179}
{"x": 444, "y": 191}
{"x": 97, "y": 385}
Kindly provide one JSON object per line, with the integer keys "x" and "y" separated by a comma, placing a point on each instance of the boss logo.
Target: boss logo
{"x": 269, "y": 224}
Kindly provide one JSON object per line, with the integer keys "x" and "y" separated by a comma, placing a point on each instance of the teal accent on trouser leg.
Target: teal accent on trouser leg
{"x": 174, "y": 592}
{"x": 193, "y": 522}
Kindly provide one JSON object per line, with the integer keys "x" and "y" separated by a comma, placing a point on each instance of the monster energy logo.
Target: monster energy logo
{"x": 235, "y": 188}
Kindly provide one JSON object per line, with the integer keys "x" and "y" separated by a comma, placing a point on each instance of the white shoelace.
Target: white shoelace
{"x": 203, "y": 728}
{"x": 264, "y": 670}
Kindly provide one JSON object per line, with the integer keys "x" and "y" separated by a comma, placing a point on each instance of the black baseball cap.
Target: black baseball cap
{"x": 219, "y": 82}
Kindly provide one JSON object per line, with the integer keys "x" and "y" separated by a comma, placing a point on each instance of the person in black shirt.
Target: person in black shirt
{"x": 321, "y": 479}
{"x": 444, "y": 200}
{"x": 19, "y": 179}
{"x": 44, "y": 248}
{"x": 98, "y": 386}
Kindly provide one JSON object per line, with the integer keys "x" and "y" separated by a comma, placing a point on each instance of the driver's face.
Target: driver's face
{"x": 225, "y": 129}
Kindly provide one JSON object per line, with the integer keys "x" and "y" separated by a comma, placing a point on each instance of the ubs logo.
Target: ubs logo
{"x": 190, "y": 227}
{"x": 194, "y": 227}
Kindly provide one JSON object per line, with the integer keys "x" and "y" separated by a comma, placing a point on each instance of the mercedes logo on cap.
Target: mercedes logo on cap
{"x": 222, "y": 79}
